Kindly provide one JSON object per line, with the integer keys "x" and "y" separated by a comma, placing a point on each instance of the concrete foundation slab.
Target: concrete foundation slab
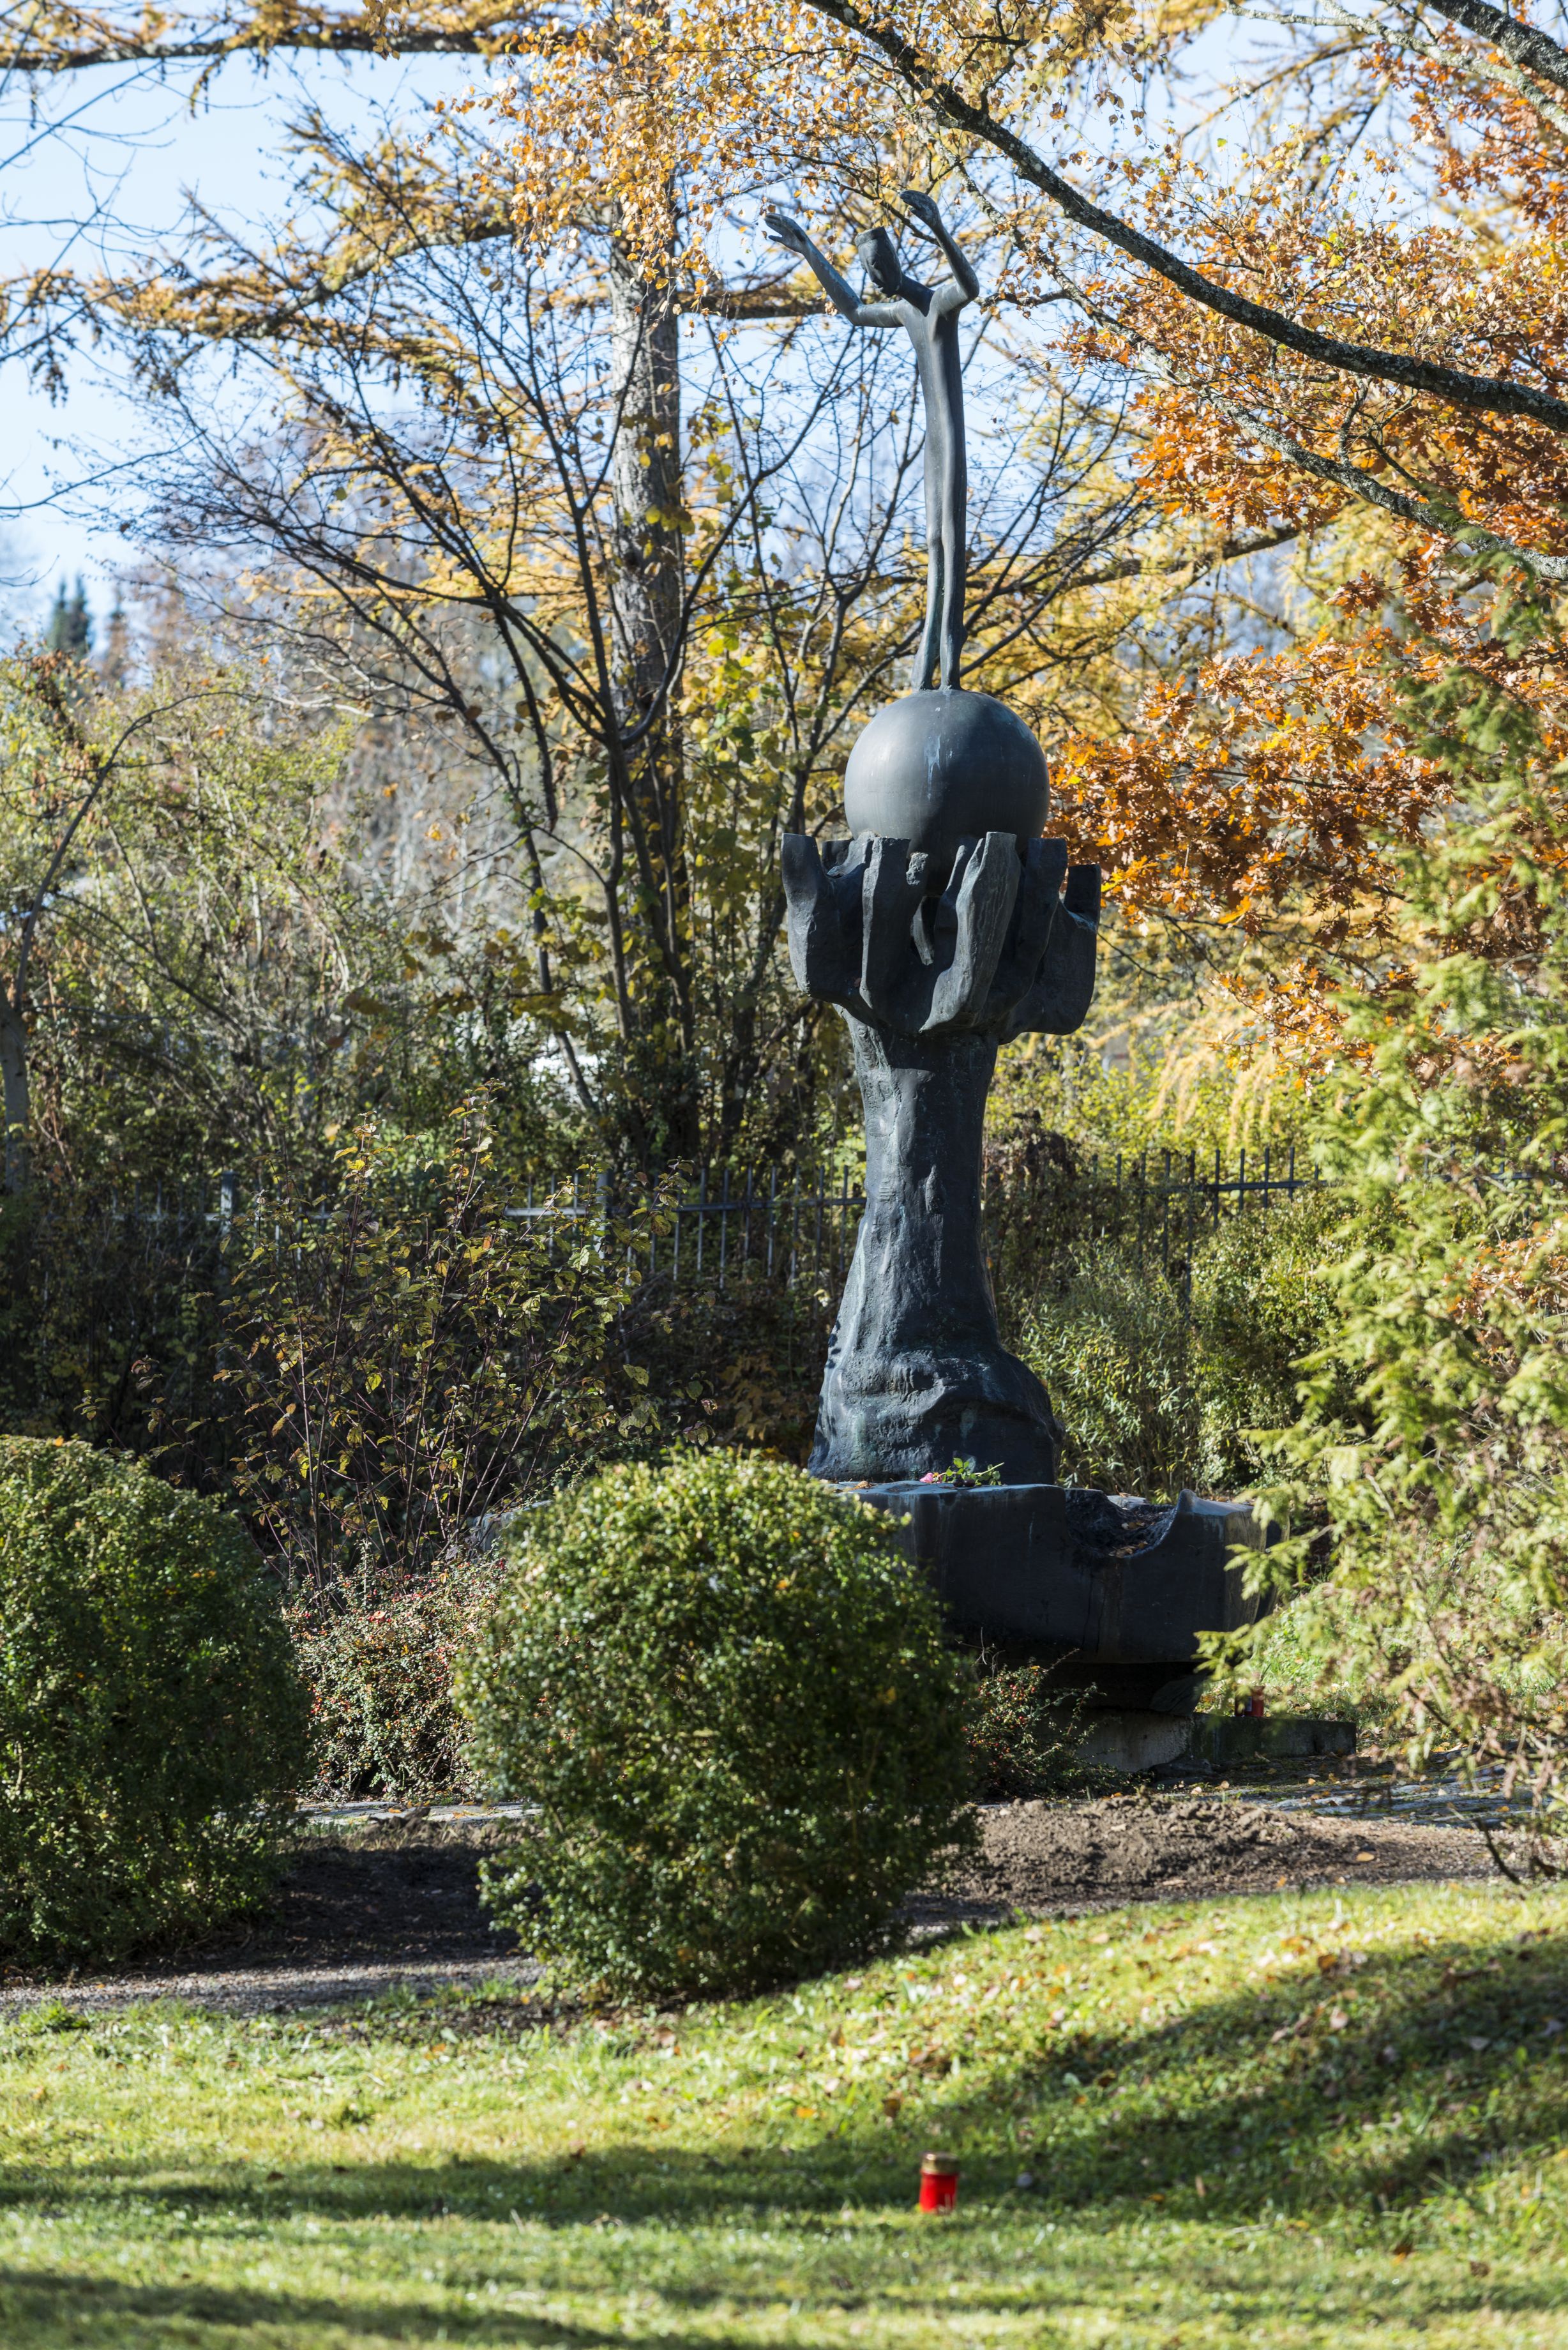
{"x": 1134, "y": 1742}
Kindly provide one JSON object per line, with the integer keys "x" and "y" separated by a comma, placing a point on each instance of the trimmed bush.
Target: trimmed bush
{"x": 153, "y": 1722}
{"x": 730, "y": 1699}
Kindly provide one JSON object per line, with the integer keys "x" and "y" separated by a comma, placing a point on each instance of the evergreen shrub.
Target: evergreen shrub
{"x": 152, "y": 1720}
{"x": 1422, "y": 1492}
{"x": 730, "y": 1701}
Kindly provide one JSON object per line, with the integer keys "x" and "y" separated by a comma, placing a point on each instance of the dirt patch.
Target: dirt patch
{"x": 356, "y": 1914}
{"x": 367, "y": 1910}
{"x": 1040, "y": 1857}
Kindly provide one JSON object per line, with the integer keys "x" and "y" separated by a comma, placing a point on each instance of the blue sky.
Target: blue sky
{"x": 105, "y": 173}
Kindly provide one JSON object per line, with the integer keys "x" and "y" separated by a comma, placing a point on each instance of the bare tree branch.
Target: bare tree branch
{"x": 1492, "y": 395}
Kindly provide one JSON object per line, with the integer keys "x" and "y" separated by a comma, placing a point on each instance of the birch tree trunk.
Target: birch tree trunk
{"x": 646, "y": 592}
{"x": 15, "y": 1095}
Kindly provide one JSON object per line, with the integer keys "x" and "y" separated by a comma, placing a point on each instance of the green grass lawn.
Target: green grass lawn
{"x": 1306, "y": 2119}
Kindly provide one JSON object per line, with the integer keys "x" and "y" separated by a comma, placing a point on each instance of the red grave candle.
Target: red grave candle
{"x": 939, "y": 2182}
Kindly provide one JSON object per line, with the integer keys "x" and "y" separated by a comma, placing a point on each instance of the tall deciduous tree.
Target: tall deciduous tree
{"x": 516, "y": 385}
{"x": 1343, "y": 325}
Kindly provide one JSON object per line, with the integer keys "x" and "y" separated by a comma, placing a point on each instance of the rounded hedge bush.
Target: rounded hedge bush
{"x": 153, "y": 1722}
{"x": 730, "y": 1699}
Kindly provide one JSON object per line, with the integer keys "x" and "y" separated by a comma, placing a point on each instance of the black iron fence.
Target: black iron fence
{"x": 800, "y": 1225}
{"x": 1164, "y": 1200}
{"x": 1162, "y": 1205}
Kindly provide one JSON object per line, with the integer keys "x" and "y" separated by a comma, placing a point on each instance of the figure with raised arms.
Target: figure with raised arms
{"x": 928, "y": 315}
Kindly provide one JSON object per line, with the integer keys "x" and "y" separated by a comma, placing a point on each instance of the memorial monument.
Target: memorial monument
{"x": 943, "y": 925}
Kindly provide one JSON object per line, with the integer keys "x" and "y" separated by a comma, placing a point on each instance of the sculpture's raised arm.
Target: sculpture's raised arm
{"x": 838, "y": 290}
{"x": 965, "y": 287}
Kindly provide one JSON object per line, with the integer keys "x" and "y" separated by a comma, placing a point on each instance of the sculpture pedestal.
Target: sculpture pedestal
{"x": 1112, "y": 1591}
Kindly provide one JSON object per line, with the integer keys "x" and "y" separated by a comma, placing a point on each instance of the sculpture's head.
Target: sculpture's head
{"x": 879, "y": 259}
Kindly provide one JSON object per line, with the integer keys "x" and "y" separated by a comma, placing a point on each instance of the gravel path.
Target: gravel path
{"x": 391, "y": 1904}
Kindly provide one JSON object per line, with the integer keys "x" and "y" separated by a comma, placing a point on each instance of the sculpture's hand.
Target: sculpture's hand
{"x": 983, "y": 891}
{"x": 923, "y": 208}
{"x": 1059, "y": 1000}
{"x": 838, "y": 290}
{"x": 818, "y": 949}
{"x": 966, "y": 285}
{"x": 788, "y": 232}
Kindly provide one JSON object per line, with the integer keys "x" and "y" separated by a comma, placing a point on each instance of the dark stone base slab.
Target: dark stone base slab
{"x": 1114, "y": 1591}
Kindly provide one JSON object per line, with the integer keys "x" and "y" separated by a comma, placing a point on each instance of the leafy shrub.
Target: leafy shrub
{"x": 1153, "y": 1396}
{"x": 1023, "y": 1731}
{"x": 379, "y": 1660}
{"x": 739, "y": 1365}
{"x": 94, "y": 1289}
{"x": 405, "y": 1355}
{"x": 152, "y": 1723}
{"x": 730, "y": 1701}
{"x": 1265, "y": 1297}
{"x": 1112, "y": 1353}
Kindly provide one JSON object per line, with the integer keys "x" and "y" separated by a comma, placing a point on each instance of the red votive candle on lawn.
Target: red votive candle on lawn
{"x": 939, "y": 2182}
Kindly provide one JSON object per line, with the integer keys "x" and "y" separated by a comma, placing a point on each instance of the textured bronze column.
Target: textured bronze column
{"x": 934, "y": 954}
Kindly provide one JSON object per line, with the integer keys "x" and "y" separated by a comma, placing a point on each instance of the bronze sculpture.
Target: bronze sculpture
{"x": 943, "y": 925}
{"x": 929, "y": 316}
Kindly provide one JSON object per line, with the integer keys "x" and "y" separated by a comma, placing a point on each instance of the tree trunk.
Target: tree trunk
{"x": 646, "y": 598}
{"x": 16, "y": 1095}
